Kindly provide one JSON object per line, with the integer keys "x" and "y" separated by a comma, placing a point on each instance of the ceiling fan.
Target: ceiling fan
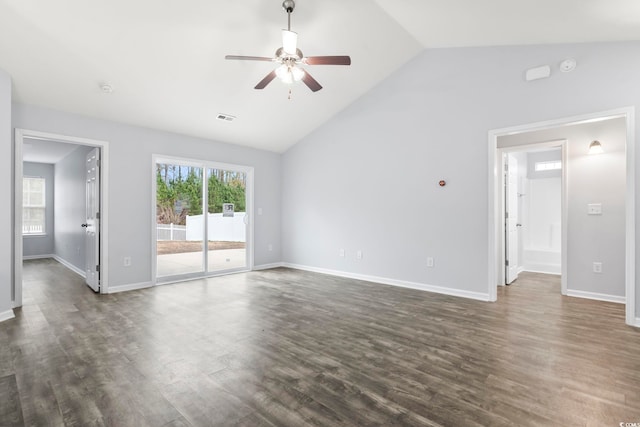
{"x": 291, "y": 58}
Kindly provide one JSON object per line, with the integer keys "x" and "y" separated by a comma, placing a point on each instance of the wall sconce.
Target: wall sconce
{"x": 595, "y": 148}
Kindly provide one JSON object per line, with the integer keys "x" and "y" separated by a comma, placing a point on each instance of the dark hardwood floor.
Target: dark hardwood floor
{"x": 290, "y": 348}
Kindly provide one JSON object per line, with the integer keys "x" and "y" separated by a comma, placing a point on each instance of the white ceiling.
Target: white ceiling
{"x": 44, "y": 151}
{"x": 165, "y": 60}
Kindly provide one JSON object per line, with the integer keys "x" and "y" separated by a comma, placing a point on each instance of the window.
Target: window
{"x": 548, "y": 166}
{"x": 33, "y": 205}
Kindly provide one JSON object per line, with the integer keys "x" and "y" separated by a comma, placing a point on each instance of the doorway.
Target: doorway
{"x": 201, "y": 224}
{"x": 624, "y": 216}
{"x": 82, "y": 181}
{"x": 534, "y": 209}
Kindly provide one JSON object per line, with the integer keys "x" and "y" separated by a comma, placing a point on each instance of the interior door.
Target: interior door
{"x": 511, "y": 218}
{"x": 92, "y": 223}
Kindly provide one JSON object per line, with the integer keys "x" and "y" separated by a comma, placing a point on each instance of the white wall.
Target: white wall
{"x": 542, "y": 245}
{"x": 591, "y": 179}
{"x": 37, "y": 245}
{"x": 6, "y": 194}
{"x": 429, "y": 121}
{"x": 130, "y": 171}
{"x": 70, "y": 207}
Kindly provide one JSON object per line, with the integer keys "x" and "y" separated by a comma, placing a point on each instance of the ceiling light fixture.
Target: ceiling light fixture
{"x": 106, "y": 88}
{"x": 291, "y": 59}
{"x": 595, "y": 148}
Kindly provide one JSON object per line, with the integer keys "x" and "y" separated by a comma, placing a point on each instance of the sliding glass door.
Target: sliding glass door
{"x": 227, "y": 220}
{"x": 202, "y": 221}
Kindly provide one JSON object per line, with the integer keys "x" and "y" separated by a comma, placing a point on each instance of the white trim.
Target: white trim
{"x": 249, "y": 195}
{"x": 630, "y": 222}
{"x": 6, "y": 315}
{"x": 70, "y": 266}
{"x": 596, "y": 296}
{"x": 544, "y": 269}
{"x": 267, "y": 266}
{"x": 130, "y": 287}
{"x": 29, "y": 257}
{"x": 20, "y": 135}
{"x": 393, "y": 282}
{"x": 494, "y": 191}
{"x": 636, "y": 323}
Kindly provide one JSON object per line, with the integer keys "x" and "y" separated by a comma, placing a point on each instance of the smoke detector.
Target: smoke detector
{"x": 568, "y": 65}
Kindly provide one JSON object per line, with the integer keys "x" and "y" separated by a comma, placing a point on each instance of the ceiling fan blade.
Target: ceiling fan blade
{"x": 311, "y": 82}
{"x": 264, "y": 82}
{"x": 327, "y": 60}
{"x": 249, "y": 58}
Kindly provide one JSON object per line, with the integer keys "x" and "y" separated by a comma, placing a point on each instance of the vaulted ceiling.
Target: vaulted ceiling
{"x": 165, "y": 59}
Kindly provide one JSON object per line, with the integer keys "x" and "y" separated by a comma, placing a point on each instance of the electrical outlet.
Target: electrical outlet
{"x": 259, "y": 211}
{"x": 597, "y": 267}
{"x": 358, "y": 254}
{"x": 430, "y": 262}
{"x": 341, "y": 253}
{"x": 126, "y": 261}
{"x": 270, "y": 247}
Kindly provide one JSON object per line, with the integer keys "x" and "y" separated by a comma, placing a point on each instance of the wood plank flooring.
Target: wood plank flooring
{"x": 289, "y": 348}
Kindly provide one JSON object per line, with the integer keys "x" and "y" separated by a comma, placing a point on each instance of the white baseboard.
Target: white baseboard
{"x": 129, "y": 287}
{"x": 28, "y": 257}
{"x": 267, "y": 266}
{"x": 70, "y": 266}
{"x": 637, "y": 324}
{"x": 393, "y": 282}
{"x": 596, "y": 296}
{"x": 6, "y": 315}
{"x": 543, "y": 268}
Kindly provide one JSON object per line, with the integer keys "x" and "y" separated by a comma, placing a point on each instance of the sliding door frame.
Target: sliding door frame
{"x": 205, "y": 165}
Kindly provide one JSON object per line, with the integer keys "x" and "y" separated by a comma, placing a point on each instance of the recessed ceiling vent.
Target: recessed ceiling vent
{"x": 226, "y": 117}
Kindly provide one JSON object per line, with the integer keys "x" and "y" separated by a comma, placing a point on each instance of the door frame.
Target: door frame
{"x": 494, "y": 198}
{"x": 564, "y": 211}
{"x": 19, "y": 137}
{"x": 205, "y": 164}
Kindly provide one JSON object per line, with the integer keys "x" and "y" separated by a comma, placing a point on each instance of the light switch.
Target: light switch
{"x": 594, "y": 209}
{"x": 259, "y": 211}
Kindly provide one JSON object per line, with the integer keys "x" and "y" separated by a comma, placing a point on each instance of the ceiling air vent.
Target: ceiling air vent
{"x": 226, "y": 117}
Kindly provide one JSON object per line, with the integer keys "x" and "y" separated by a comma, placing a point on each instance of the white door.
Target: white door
{"x": 92, "y": 223}
{"x": 511, "y": 218}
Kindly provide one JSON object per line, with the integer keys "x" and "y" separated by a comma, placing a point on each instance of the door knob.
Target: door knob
{"x": 85, "y": 225}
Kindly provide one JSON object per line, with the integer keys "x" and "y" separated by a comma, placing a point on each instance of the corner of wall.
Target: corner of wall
{"x": 6, "y": 193}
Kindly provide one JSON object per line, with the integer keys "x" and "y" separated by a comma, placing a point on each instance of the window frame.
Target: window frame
{"x": 26, "y": 189}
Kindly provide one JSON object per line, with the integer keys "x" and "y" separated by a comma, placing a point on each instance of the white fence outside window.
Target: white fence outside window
{"x": 172, "y": 232}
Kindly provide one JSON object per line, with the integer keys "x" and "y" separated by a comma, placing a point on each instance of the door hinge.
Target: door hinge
{"x": 98, "y": 163}
{"x": 97, "y": 215}
{"x": 506, "y": 215}
{"x": 506, "y": 262}
{"x": 98, "y": 268}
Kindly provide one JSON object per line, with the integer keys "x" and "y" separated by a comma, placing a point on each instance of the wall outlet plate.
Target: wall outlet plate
{"x": 597, "y": 267}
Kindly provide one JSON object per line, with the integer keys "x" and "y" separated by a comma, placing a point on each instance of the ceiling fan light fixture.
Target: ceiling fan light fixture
{"x": 297, "y": 73}
{"x": 289, "y": 73}
{"x": 284, "y": 74}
